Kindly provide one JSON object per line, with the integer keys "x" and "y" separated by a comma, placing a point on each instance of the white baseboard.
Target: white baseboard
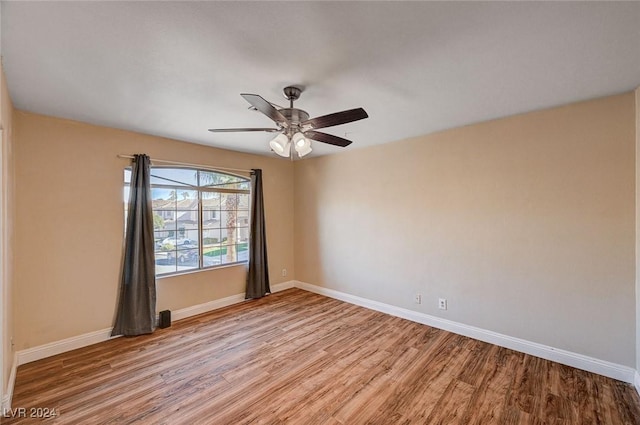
{"x": 590, "y": 364}
{"x": 73, "y": 343}
{"x": 282, "y": 286}
{"x": 183, "y": 313}
{"x": 636, "y": 381}
{"x": 57, "y": 347}
{"x": 6, "y": 399}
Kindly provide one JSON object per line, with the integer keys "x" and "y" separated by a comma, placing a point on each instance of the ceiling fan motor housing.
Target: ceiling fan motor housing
{"x": 295, "y": 117}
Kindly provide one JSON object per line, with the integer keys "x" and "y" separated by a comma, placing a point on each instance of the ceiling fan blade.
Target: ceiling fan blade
{"x": 336, "y": 118}
{"x": 266, "y": 108}
{"x": 231, "y": 130}
{"x": 327, "y": 138}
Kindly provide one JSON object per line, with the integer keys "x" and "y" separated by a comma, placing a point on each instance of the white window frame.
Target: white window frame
{"x": 200, "y": 189}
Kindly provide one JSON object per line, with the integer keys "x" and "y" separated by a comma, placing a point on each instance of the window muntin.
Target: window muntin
{"x": 200, "y": 217}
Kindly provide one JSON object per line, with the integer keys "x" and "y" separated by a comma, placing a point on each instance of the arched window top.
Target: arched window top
{"x": 195, "y": 178}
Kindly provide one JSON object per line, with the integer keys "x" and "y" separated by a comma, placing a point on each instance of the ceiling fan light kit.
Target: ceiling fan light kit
{"x": 281, "y": 145}
{"x": 294, "y": 126}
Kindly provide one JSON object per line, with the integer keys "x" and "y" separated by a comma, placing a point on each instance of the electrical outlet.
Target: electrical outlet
{"x": 284, "y": 272}
{"x": 418, "y": 299}
{"x": 442, "y": 303}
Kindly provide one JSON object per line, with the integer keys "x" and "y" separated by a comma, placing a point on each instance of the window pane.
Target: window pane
{"x": 187, "y": 199}
{"x": 210, "y": 201}
{"x": 159, "y": 237}
{"x": 187, "y": 219}
{"x": 221, "y": 180}
{"x": 234, "y": 253}
{"x": 181, "y": 239}
{"x": 211, "y": 247}
{"x": 187, "y": 259}
{"x": 211, "y": 259}
{"x": 212, "y": 252}
{"x": 229, "y": 254}
{"x": 210, "y": 237}
{"x": 244, "y": 185}
{"x": 243, "y": 251}
{"x": 229, "y": 218}
{"x": 164, "y": 203}
{"x": 243, "y": 234}
{"x": 174, "y": 176}
{"x": 191, "y": 238}
{"x": 166, "y": 262}
{"x": 235, "y": 185}
{"x": 210, "y": 219}
{"x": 229, "y": 201}
{"x": 243, "y": 201}
{"x": 243, "y": 214}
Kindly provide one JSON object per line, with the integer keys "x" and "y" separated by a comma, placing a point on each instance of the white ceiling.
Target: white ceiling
{"x": 175, "y": 69}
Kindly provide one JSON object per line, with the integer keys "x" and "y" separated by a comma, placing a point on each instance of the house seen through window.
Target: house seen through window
{"x": 200, "y": 218}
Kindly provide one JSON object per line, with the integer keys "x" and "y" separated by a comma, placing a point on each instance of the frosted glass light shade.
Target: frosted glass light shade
{"x": 301, "y": 144}
{"x": 280, "y": 145}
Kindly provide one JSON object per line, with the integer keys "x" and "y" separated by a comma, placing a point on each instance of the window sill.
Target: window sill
{"x": 208, "y": 269}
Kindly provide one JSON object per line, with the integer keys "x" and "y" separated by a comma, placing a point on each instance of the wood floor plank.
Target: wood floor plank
{"x": 300, "y": 358}
{"x": 452, "y": 404}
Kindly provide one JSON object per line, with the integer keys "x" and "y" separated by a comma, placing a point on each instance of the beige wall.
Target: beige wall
{"x": 6, "y": 235}
{"x": 69, "y": 225}
{"x": 525, "y": 224}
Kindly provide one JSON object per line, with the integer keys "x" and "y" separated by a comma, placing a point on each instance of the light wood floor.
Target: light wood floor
{"x": 299, "y": 358}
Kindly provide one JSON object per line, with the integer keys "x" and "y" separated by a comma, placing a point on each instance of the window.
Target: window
{"x": 200, "y": 218}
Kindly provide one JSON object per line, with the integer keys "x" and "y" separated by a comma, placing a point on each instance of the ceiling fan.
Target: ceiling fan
{"x": 294, "y": 125}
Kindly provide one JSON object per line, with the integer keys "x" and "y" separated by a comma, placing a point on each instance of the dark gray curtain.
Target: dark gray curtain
{"x": 137, "y": 302}
{"x": 258, "y": 275}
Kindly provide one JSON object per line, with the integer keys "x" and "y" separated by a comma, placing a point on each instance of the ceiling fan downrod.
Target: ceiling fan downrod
{"x": 292, "y": 93}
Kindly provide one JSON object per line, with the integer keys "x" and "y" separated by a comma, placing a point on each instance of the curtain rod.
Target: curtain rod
{"x": 186, "y": 164}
